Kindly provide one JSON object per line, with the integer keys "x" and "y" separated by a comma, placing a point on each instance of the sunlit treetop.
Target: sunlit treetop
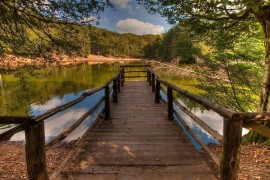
{"x": 19, "y": 17}
{"x": 236, "y": 10}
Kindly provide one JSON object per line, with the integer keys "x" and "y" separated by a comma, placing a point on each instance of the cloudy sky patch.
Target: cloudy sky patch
{"x": 130, "y": 17}
{"x": 138, "y": 27}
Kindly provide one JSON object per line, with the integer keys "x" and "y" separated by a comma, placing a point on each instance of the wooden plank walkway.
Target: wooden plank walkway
{"x": 139, "y": 142}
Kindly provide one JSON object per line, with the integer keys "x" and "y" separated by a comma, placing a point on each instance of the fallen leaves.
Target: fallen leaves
{"x": 254, "y": 161}
{"x": 13, "y": 163}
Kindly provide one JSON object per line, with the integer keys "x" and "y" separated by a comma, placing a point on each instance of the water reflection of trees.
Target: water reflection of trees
{"x": 28, "y": 86}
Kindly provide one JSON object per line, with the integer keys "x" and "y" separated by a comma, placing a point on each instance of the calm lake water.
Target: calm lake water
{"x": 35, "y": 91}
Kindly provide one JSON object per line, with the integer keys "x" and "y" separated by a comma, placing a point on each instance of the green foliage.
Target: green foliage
{"x": 19, "y": 17}
{"x": 82, "y": 40}
{"x": 108, "y": 43}
{"x": 176, "y": 45}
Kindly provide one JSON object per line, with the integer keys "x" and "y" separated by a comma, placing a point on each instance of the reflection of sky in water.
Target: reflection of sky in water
{"x": 63, "y": 120}
{"x": 210, "y": 117}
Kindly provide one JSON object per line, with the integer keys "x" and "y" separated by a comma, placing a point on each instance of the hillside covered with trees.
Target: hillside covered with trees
{"x": 80, "y": 40}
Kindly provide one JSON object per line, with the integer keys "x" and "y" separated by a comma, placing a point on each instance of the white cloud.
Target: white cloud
{"x": 138, "y": 27}
{"x": 89, "y": 19}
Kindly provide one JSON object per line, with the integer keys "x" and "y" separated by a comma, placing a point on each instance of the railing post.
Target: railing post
{"x": 157, "y": 91}
{"x": 153, "y": 82}
{"x": 119, "y": 83}
{"x": 150, "y": 79}
{"x": 170, "y": 102}
{"x": 147, "y": 75}
{"x": 35, "y": 151}
{"x": 122, "y": 77}
{"x": 107, "y": 102}
{"x": 232, "y": 133}
{"x": 115, "y": 91}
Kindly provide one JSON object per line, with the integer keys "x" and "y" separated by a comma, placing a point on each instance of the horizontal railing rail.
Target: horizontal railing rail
{"x": 138, "y": 73}
{"x": 34, "y": 125}
{"x": 232, "y": 129}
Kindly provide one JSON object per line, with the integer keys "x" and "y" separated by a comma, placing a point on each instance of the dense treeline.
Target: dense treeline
{"x": 176, "y": 45}
{"x": 80, "y": 40}
{"x": 187, "y": 43}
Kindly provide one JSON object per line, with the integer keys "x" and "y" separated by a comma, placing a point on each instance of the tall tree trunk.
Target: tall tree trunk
{"x": 263, "y": 16}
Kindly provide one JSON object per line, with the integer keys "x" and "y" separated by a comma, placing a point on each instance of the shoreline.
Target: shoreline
{"x": 13, "y": 62}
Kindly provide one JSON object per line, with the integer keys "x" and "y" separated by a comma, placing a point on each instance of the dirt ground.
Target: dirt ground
{"x": 13, "y": 163}
{"x": 254, "y": 163}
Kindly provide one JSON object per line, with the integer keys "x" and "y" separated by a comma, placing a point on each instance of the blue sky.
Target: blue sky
{"x": 130, "y": 17}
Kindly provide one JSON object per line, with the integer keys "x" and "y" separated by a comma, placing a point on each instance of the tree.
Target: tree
{"x": 225, "y": 16}
{"x": 18, "y": 17}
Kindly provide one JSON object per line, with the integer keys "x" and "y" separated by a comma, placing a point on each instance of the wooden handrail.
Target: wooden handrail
{"x": 233, "y": 122}
{"x": 229, "y": 165}
{"x": 65, "y": 133}
{"x": 205, "y": 147}
{"x": 126, "y": 72}
{"x": 14, "y": 119}
{"x": 132, "y": 66}
{"x": 210, "y": 130}
{"x": 224, "y": 112}
{"x": 262, "y": 130}
{"x": 9, "y": 133}
{"x": 34, "y": 127}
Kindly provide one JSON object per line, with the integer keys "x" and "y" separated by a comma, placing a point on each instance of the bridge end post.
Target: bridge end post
{"x": 157, "y": 91}
{"x": 153, "y": 83}
{"x": 122, "y": 77}
{"x": 148, "y": 74}
{"x": 170, "y": 102}
{"x": 150, "y": 78}
{"x": 115, "y": 91}
{"x": 230, "y": 159}
{"x": 107, "y": 102}
{"x": 35, "y": 151}
{"x": 119, "y": 83}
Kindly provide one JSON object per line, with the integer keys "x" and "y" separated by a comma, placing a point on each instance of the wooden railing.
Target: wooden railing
{"x": 33, "y": 126}
{"x": 232, "y": 124}
{"x": 129, "y": 73}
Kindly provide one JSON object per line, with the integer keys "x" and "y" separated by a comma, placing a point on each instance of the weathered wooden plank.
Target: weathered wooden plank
{"x": 262, "y": 130}
{"x": 14, "y": 119}
{"x": 140, "y": 137}
{"x": 117, "y": 176}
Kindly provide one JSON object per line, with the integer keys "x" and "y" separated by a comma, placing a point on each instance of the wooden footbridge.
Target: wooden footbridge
{"x": 136, "y": 136}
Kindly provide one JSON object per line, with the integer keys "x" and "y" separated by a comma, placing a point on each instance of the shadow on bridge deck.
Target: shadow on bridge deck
{"x": 138, "y": 142}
